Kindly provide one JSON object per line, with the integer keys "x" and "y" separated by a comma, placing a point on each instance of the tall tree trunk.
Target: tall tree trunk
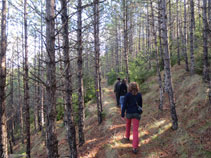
{"x": 185, "y": 38}
{"x": 206, "y": 76}
{"x": 209, "y": 13}
{"x": 80, "y": 76}
{"x": 11, "y": 103}
{"x": 156, "y": 56}
{"x": 125, "y": 22}
{"x": 148, "y": 38}
{"x": 117, "y": 45}
{"x": 199, "y": 12}
{"x": 139, "y": 36}
{"x": 42, "y": 94}
{"x": 178, "y": 46}
{"x": 52, "y": 142}
{"x": 159, "y": 34}
{"x": 192, "y": 68}
{"x": 97, "y": 52}
{"x": 26, "y": 85}
{"x": 167, "y": 65}
{"x": 20, "y": 97}
{"x": 3, "y": 128}
{"x": 70, "y": 126}
{"x": 131, "y": 50}
{"x": 170, "y": 29}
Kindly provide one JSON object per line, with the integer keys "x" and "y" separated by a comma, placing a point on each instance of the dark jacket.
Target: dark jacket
{"x": 123, "y": 89}
{"x": 117, "y": 87}
{"x": 130, "y": 104}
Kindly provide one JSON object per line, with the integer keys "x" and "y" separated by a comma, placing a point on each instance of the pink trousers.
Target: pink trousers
{"x": 135, "y": 131}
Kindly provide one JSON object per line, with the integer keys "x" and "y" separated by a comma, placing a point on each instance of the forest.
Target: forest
{"x": 60, "y": 59}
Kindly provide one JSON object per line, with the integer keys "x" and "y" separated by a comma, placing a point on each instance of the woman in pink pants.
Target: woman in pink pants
{"x": 133, "y": 107}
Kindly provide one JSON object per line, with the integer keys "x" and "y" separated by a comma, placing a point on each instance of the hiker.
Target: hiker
{"x": 133, "y": 107}
{"x": 116, "y": 90}
{"x": 122, "y": 92}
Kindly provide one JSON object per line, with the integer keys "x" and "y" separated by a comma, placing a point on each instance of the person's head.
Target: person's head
{"x": 124, "y": 81}
{"x": 133, "y": 88}
{"x": 118, "y": 79}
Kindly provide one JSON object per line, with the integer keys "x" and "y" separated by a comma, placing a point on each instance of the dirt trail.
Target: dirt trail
{"x": 106, "y": 140}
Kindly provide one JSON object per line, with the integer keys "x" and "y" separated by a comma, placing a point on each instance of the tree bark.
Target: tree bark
{"x": 125, "y": 22}
{"x": 178, "y": 46}
{"x": 80, "y": 76}
{"x": 192, "y": 68}
{"x": 3, "y": 126}
{"x": 206, "y": 76}
{"x": 117, "y": 45}
{"x": 26, "y": 85}
{"x": 97, "y": 56}
{"x": 70, "y": 126}
{"x": 52, "y": 142}
{"x": 156, "y": 57}
{"x": 42, "y": 94}
{"x": 185, "y": 38}
{"x": 170, "y": 29}
{"x": 168, "y": 67}
{"x": 159, "y": 34}
{"x": 209, "y": 13}
{"x": 148, "y": 38}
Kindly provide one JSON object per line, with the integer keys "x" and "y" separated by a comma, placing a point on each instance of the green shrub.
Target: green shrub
{"x": 89, "y": 86}
{"x": 111, "y": 76}
{"x": 139, "y": 71}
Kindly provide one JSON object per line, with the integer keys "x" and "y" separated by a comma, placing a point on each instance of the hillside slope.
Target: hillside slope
{"x": 192, "y": 139}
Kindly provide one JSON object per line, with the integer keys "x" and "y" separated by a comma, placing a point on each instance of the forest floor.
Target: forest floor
{"x": 157, "y": 140}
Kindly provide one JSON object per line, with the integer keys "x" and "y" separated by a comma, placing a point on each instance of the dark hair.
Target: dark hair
{"x": 124, "y": 81}
{"x": 133, "y": 88}
{"x": 118, "y": 78}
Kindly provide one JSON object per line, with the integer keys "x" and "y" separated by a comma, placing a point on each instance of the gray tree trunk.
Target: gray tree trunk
{"x": 42, "y": 94}
{"x": 80, "y": 76}
{"x": 168, "y": 66}
{"x": 125, "y": 22}
{"x": 192, "y": 68}
{"x": 70, "y": 126}
{"x": 170, "y": 29}
{"x": 117, "y": 45}
{"x": 52, "y": 142}
{"x": 148, "y": 38}
{"x": 206, "y": 76}
{"x": 178, "y": 46}
{"x": 156, "y": 56}
{"x": 20, "y": 97}
{"x": 97, "y": 56}
{"x": 159, "y": 34}
{"x": 26, "y": 84}
{"x": 185, "y": 38}
{"x": 209, "y": 13}
{"x": 3, "y": 125}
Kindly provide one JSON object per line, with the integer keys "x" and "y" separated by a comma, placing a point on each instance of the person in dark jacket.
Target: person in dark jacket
{"x": 122, "y": 92}
{"x": 116, "y": 90}
{"x": 133, "y": 107}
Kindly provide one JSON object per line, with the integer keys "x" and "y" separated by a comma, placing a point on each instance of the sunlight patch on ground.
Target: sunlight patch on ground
{"x": 153, "y": 155}
{"x": 106, "y": 102}
{"x": 116, "y": 126}
{"x": 156, "y": 124}
{"x": 154, "y": 136}
{"x": 91, "y": 141}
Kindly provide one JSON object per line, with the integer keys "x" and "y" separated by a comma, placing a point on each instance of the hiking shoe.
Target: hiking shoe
{"x": 135, "y": 151}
